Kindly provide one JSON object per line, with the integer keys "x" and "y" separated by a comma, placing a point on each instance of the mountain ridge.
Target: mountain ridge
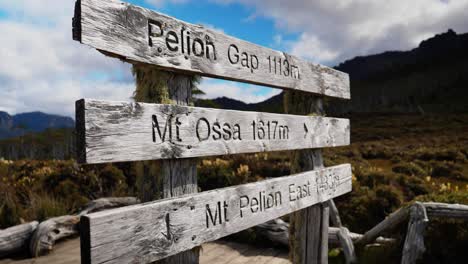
{"x": 433, "y": 77}
{"x": 31, "y": 122}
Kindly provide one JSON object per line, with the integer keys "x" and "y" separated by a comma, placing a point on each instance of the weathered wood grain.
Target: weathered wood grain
{"x": 108, "y": 203}
{"x": 15, "y": 238}
{"x": 155, "y": 230}
{"x": 140, "y": 35}
{"x": 343, "y": 234}
{"x": 177, "y": 176}
{"x": 447, "y": 210}
{"x": 390, "y": 222}
{"x": 414, "y": 247}
{"x": 277, "y": 231}
{"x": 50, "y": 231}
{"x": 334, "y": 237}
{"x": 122, "y": 131}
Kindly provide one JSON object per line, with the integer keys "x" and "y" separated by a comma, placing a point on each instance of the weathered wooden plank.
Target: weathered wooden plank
{"x": 140, "y": 35}
{"x": 108, "y": 203}
{"x": 123, "y": 131}
{"x": 152, "y": 231}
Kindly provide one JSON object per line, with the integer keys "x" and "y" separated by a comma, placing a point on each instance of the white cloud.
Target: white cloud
{"x": 310, "y": 47}
{"x": 212, "y": 27}
{"x": 332, "y": 31}
{"x": 244, "y": 92}
{"x": 42, "y": 68}
{"x": 160, "y": 3}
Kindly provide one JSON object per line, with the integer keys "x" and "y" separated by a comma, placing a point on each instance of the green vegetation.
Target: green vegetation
{"x": 395, "y": 159}
{"x": 37, "y": 190}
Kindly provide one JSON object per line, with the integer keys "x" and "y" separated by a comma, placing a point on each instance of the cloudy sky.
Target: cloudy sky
{"x": 43, "y": 69}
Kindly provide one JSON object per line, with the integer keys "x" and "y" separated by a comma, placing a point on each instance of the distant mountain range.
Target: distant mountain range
{"x": 272, "y": 105}
{"x": 430, "y": 78}
{"x": 21, "y": 124}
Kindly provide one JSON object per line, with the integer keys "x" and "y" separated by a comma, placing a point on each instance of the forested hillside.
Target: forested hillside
{"x": 21, "y": 124}
{"x": 430, "y": 78}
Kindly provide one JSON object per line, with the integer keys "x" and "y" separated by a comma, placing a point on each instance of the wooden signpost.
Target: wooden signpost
{"x": 122, "y": 131}
{"x": 140, "y": 35}
{"x": 152, "y": 231}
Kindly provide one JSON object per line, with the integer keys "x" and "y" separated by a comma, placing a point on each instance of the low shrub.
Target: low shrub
{"x": 452, "y": 154}
{"x": 447, "y": 169}
{"x": 44, "y": 206}
{"x": 413, "y": 186}
{"x": 365, "y": 207}
{"x": 112, "y": 181}
{"x": 376, "y": 151}
{"x": 409, "y": 168}
{"x": 214, "y": 174}
{"x": 10, "y": 210}
{"x": 373, "y": 178}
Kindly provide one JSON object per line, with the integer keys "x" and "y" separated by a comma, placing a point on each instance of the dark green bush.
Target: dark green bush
{"x": 376, "y": 151}
{"x": 373, "y": 178}
{"x": 365, "y": 207}
{"x": 112, "y": 181}
{"x": 409, "y": 168}
{"x": 214, "y": 174}
{"x": 440, "y": 154}
{"x": 413, "y": 186}
{"x": 43, "y": 207}
{"x": 447, "y": 169}
{"x": 10, "y": 210}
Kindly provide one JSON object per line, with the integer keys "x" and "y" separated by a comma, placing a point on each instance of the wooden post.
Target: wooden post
{"x": 167, "y": 178}
{"x": 343, "y": 233}
{"x": 309, "y": 227}
{"x": 414, "y": 247}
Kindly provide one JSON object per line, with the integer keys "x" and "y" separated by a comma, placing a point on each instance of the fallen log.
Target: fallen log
{"x": 388, "y": 223}
{"x": 335, "y": 240}
{"x": 50, "y": 231}
{"x": 277, "y": 231}
{"x": 108, "y": 203}
{"x": 15, "y": 238}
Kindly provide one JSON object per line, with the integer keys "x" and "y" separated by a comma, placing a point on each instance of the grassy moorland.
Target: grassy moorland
{"x": 396, "y": 159}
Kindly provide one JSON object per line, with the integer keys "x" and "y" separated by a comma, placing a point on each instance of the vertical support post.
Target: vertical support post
{"x": 414, "y": 247}
{"x": 343, "y": 233}
{"x": 308, "y": 227}
{"x": 167, "y": 178}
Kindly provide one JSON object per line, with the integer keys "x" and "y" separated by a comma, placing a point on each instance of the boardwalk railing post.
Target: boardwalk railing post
{"x": 177, "y": 176}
